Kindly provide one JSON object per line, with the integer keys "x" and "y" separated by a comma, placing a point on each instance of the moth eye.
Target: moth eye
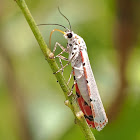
{"x": 69, "y": 35}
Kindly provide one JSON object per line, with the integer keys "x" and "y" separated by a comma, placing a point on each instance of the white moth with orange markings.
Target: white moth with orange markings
{"x": 86, "y": 89}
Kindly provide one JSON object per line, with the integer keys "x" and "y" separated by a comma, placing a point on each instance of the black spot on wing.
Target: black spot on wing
{"x": 78, "y": 95}
{"x": 98, "y": 127}
{"x": 88, "y": 117}
{"x": 90, "y": 100}
{"x": 91, "y": 116}
{"x": 85, "y": 103}
{"x": 85, "y": 116}
{"x": 83, "y": 64}
{"x": 90, "y": 125}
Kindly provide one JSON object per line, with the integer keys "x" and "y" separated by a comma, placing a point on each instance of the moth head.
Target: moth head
{"x": 68, "y": 34}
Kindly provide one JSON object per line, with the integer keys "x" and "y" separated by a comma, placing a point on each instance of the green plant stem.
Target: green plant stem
{"x": 48, "y": 54}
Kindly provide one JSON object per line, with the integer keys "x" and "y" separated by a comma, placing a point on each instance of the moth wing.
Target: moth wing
{"x": 86, "y": 109}
{"x": 98, "y": 112}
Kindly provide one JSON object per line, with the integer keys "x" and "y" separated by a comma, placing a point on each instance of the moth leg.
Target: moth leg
{"x": 60, "y": 54}
{"x": 60, "y": 60}
{"x": 66, "y": 64}
{"x": 70, "y": 77}
{"x": 58, "y": 44}
{"x": 72, "y": 87}
{"x": 62, "y": 68}
{"x": 62, "y": 57}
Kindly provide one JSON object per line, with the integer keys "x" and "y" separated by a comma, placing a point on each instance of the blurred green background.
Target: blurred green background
{"x": 32, "y": 102}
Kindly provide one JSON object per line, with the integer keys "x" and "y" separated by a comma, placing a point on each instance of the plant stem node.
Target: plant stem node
{"x": 51, "y": 55}
{"x": 67, "y": 103}
{"x": 79, "y": 115}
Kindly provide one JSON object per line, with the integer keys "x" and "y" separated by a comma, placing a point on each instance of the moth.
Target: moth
{"x": 86, "y": 89}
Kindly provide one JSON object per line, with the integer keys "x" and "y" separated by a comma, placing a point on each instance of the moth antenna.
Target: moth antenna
{"x": 53, "y": 24}
{"x": 64, "y": 17}
{"x": 51, "y": 35}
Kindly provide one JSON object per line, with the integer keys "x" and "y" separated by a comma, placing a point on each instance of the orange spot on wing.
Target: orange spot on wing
{"x": 85, "y": 72}
{"x": 87, "y": 109}
{"x": 82, "y": 56}
{"x": 88, "y": 90}
{"x": 77, "y": 89}
{"x": 93, "y": 112}
{"x": 91, "y": 123}
{"x": 79, "y": 41}
{"x": 100, "y": 125}
{"x": 96, "y": 124}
